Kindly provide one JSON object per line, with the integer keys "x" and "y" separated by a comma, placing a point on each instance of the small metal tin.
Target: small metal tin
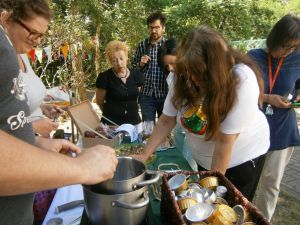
{"x": 183, "y": 194}
{"x": 209, "y": 182}
{"x": 220, "y": 200}
{"x": 195, "y": 186}
{"x": 211, "y": 198}
{"x": 198, "y": 212}
{"x": 227, "y": 213}
{"x": 221, "y": 191}
{"x": 178, "y": 183}
{"x": 240, "y": 212}
{"x": 196, "y": 194}
{"x": 185, "y": 203}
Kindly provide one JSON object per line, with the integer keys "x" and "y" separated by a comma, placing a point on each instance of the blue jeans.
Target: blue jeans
{"x": 150, "y": 106}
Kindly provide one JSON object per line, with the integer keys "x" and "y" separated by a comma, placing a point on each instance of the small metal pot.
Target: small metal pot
{"x": 118, "y": 209}
{"x": 130, "y": 175}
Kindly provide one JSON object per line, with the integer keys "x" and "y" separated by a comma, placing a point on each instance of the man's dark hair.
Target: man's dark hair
{"x": 287, "y": 29}
{"x": 157, "y": 16}
{"x": 169, "y": 47}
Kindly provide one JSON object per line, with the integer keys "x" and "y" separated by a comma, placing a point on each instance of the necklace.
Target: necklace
{"x": 272, "y": 80}
{"x": 125, "y": 76}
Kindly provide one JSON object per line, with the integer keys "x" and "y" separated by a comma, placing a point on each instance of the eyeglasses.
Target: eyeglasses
{"x": 33, "y": 35}
{"x": 156, "y": 28}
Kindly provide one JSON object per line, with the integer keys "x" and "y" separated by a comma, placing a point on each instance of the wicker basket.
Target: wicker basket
{"x": 171, "y": 214}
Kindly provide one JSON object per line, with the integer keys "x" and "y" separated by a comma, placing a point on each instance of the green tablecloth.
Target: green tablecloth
{"x": 164, "y": 157}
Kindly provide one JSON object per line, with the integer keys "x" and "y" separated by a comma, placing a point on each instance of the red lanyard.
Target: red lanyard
{"x": 272, "y": 79}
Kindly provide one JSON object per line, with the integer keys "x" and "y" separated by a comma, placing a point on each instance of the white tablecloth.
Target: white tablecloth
{"x": 64, "y": 195}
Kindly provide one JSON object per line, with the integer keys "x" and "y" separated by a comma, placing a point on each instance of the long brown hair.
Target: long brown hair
{"x": 204, "y": 75}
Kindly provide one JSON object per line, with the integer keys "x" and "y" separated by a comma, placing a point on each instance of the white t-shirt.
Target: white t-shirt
{"x": 245, "y": 119}
{"x": 35, "y": 89}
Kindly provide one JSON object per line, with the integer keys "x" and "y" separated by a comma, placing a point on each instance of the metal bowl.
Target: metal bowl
{"x": 199, "y": 212}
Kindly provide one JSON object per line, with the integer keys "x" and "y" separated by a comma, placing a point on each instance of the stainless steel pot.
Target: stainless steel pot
{"x": 118, "y": 209}
{"x": 130, "y": 175}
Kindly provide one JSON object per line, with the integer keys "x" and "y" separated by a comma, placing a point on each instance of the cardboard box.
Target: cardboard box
{"x": 84, "y": 116}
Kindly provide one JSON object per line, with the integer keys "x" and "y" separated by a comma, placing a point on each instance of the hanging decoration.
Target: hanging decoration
{"x": 48, "y": 52}
{"x": 65, "y": 50}
{"x": 39, "y": 54}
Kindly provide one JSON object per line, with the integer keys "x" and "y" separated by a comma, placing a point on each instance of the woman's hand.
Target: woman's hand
{"x": 278, "y": 101}
{"x": 162, "y": 129}
{"x": 57, "y": 145}
{"x": 297, "y": 99}
{"x": 142, "y": 157}
{"x": 44, "y": 126}
{"x": 51, "y": 111}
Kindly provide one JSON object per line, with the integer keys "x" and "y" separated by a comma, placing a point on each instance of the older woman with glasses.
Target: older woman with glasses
{"x": 280, "y": 64}
{"x": 26, "y": 25}
{"x": 118, "y": 87}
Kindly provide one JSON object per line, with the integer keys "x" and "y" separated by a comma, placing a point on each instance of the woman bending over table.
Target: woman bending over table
{"x": 215, "y": 98}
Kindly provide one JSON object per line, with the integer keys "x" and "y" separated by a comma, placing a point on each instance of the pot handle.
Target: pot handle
{"x": 147, "y": 182}
{"x": 130, "y": 205}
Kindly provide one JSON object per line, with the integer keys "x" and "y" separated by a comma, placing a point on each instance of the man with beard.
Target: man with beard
{"x": 155, "y": 88}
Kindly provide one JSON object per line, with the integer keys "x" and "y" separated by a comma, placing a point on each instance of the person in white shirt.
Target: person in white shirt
{"x": 169, "y": 62}
{"x": 215, "y": 98}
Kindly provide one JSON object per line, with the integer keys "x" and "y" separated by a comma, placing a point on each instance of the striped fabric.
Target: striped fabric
{"x": 155, "y": 79}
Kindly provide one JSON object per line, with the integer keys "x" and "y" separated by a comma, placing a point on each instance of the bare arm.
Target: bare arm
{"x": 163, "y": 127}
{"x": 51, "y": 111}
{"x": 100, "y": 97}
{"x": 44, "y": 126}
{"x": 25, "y": 168}
{"x": 56, "y": 145}
{"x": 222, "y": 152}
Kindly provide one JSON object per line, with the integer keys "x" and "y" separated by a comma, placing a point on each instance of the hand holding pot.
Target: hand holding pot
{"x": 142, "y": 157}
{"x": 98, "y": 164}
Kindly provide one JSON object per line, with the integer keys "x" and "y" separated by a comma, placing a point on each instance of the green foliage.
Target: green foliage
{"x": 77, "y": 21}
{"x": 236, "y": 19}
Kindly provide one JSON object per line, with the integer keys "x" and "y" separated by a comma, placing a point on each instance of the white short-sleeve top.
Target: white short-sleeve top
{"x": 245, "y": 118}
{"x": 34, "y": 87}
